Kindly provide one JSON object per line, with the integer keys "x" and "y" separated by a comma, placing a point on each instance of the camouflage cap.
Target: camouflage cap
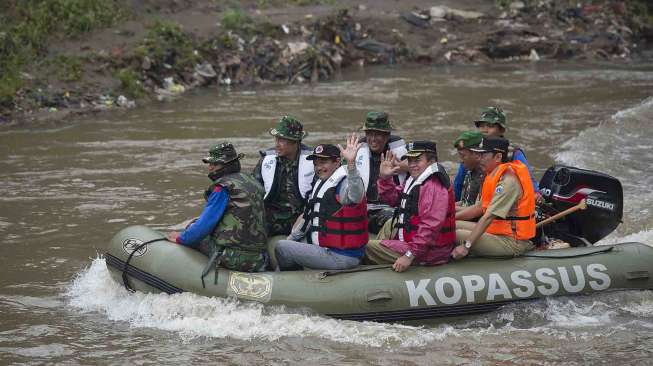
{"x": 377, "y": 121}
{"x": 289, "y": 127}
{"x": 492, "y": 115}
{"x": 222, "y": 154}
{"x": 468, "y": 139}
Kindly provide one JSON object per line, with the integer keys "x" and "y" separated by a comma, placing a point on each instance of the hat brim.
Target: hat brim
{"x": 388, "y": 130}
{"x": 480, "y": 149}
{"x": 412, "y": 154}
{"x": 464, "y": 147}
{"x": 209, "y": 160}
{"x": 275, "y": 133}
{"x": 317, "y": 156}
{"x": 483, "y": 150}
{"x": 477, "y": 122}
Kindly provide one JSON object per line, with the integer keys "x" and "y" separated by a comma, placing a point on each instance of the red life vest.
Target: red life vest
{"x": 331, "y": 224}
{"x": 408, "y": 210}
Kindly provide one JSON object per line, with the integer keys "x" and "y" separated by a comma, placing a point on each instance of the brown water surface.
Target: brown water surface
{"x": 66, "y": 190}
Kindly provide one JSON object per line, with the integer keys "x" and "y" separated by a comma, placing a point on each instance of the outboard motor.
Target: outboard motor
{"x": 563, "y": 187}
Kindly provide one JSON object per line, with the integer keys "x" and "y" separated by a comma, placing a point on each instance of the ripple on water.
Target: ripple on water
{"x": 42, "y": 351}
{"x": 25, "y": 303}
{"x": 4, "y": 224}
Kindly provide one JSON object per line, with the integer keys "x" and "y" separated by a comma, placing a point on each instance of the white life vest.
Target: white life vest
{"x": 410, "y": 185}
{"x": 305, "y": 172}
{"x": 398, "y": 148}
{"x": 318, "y": 192}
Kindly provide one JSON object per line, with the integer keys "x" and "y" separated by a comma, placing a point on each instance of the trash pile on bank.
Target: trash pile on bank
{"x": 170, "y": 61}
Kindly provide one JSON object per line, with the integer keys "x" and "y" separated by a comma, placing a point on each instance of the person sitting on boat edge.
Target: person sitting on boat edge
{"x": 493, "y": 122}
{"x": 506, "y": 208}
{"x": 378, "y": 140}
{"x": 471, "y": 161}
{"x": 232, "y": 224}
{"x": 423, "y": 229}
{"x": 334, "y": 225}
{"x": 286, "y": 175}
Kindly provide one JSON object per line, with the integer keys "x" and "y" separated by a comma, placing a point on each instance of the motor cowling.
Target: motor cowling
{"x": 563, "y": 187}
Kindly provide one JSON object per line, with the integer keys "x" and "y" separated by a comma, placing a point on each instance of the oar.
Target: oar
{"x": 580, "y": 206}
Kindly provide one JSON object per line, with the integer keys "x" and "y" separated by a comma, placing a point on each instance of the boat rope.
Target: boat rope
{"x": 125, "y": 279}
{"x": 542, "y": 254}
{"x": 597, "y": 251}
{"x": 326, "y": 274}
{"x": 214, "y": 262}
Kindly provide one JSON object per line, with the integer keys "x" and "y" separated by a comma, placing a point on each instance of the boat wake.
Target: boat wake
{"x": 644, "y": 236}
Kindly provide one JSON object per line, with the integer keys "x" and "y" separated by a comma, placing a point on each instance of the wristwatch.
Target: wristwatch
{"x": 409, "y": 254}
{"x": 467, "y": 244}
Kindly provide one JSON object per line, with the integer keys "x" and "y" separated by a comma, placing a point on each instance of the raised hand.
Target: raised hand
{"x": 349, "y": 153}
{"x": 389, "y": 165}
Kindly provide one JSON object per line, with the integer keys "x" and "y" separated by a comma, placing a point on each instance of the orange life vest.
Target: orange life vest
{"x": 521, "y": 226}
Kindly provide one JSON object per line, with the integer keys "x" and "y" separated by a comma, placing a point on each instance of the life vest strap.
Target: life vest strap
{"x": 313, "y": 215}
{"x": 323, "y": 229}
{"x": 408, "y": 225}
{"x": 515, "y": 218}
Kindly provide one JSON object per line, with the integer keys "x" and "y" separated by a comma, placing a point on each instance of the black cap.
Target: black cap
{"x": 492, "y": 144}
{"x": 324, "y": 151}
{"x": 416, "y": 148}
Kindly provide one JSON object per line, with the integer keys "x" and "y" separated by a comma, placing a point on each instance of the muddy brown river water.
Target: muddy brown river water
{"x": 67, "y": 189}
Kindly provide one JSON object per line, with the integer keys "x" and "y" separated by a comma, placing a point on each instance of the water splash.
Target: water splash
{"x": 193, "y": 316}
{"x": 644, "y": 236}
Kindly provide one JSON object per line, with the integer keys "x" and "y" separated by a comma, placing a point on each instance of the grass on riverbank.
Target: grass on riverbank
{"x": 27, "y": 27}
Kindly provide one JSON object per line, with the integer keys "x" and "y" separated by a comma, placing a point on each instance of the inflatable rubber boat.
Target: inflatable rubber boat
{"x": 143, "y": 260}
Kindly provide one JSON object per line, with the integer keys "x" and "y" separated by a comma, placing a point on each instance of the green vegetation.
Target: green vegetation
{"x": 68, "y": 68}
{"x": 503, "y": 4}
{"x": 312, "y": 2}
{"x": 12, "y": 57}
{"x": 167, "y": 44}
{"x": 130, "y": 84}
{"x": 643, "y": 11}
{"x": 235, "y": 19}
{"x": 271, "y": 3}
{"x": 27, "y": 25}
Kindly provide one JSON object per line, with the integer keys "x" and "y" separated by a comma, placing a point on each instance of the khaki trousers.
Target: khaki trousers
{"x": 375, "y": 253}
{"x": 491, "y": 245}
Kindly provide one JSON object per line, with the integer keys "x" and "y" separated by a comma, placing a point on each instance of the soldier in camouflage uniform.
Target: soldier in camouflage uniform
{"x": 493, "y": 122}
{"x": 231, "y": 228}
{"x": 378, "y": 141}
{"x": 286, "y": 175}
{"x": 471, "y": 161}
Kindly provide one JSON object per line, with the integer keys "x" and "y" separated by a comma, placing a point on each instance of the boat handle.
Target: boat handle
{"x": 379, "y": 296}
{"x": 636, "y": 275}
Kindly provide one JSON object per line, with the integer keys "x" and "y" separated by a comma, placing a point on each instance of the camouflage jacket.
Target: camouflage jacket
{"x": 471, "y": 187}
{"x": 284, "y": 203}
{"x": 241, "y": 231}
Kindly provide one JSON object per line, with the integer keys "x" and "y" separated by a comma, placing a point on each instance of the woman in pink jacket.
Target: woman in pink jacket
{"x": 422, "y": 231}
